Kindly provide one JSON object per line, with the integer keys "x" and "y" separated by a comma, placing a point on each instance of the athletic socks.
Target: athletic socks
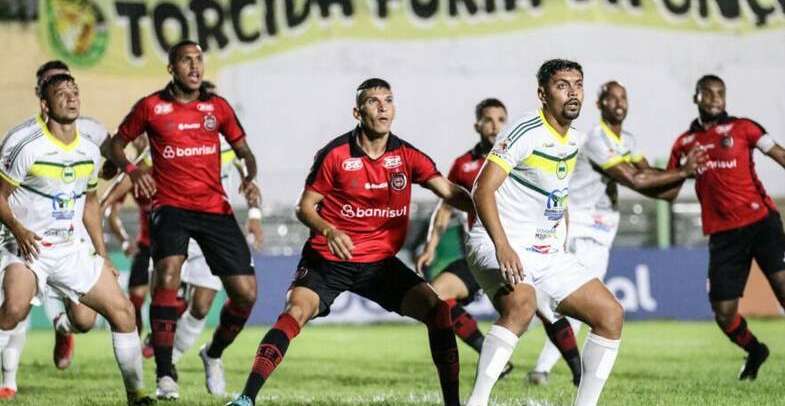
{"x": 138, "y": 302}
{"x": 233, "y": 318}
{"x": 188, "y": 330}
{"x": 496, "y": 352}
{"x": 738, "y": 332}
{"x": 561, "y": 335}
{"x": 163, "y": 323}
{"x": 270, "y": 353}
{"x": 12, "y": 353}
{"x": 128, "y": 353}
{"x": 599, "y": 355}
{"x": 465, "y": 326}
{"x": 550, "y": 353}
{"x": 63, "y": 324}
{"x": 444, "y": 351}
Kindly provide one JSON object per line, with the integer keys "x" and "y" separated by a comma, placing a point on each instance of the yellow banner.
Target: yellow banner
{"x": 133, "y": 36}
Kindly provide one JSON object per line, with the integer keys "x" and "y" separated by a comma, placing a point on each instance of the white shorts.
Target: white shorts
{"x": 195, "y": 270}
{"x": 68, "y": 270}
{"x": 554, "y": 275}
{"x": 592, "y": 254}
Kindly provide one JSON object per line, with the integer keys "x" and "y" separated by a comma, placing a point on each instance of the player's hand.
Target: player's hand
{"x": 110, "y": 267}
{"x": 144, "y": 184}
{"x": 424, "y": 259}
{"x": 696, "y": 159}
{"x": 510, "y": 265}
{"x": 339, "y": 243}
{"x": 108, "y": 170}
{"x": 255, "y": 233}
{"x": 250, "y": 190}
{"x": 129, "y": 248}
{"x": 27, "y": 243}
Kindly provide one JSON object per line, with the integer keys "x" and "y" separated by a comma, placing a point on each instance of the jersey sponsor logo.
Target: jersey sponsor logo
{"x": 732, "y": 164}
{"x": 210, "y": 122}
{"x": 163, "y": 108}
{"x": 352, "y": 164}
{"x": 470, "y": 166}
{"x": 188, "y": 126}
{"x": 557, "y": 202}
{"x": 724, "y": 129}
{"x": 540, "y": 249}
{"x": 349, "y": 211}
{"x": 391, "y": 162}
{"x": 205, "y": 107}
{"x": 170, "y": 152}
{"x": 687, "y": 139}
{"x": 398, "y": 181}
{"x": 63, "y": 205}
{"x": 60, "y": 233}
{"x": 545, "y": 233}
{"x": 375, "y": 186}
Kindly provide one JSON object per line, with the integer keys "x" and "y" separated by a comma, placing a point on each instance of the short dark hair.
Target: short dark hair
{"x": 54, "y": 81}
{"x": 47, "y": 66}
{"x": 370, "y": 84}
{"x": 174, "y": 49}
{"x": 486, "y": 103}
{"x": 550, "y": 67}
{"x": 706, "y": 79}
{"x": 606, "y": 87}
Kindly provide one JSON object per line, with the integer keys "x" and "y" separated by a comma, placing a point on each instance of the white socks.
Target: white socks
{"x": 63, "y": 324}
{"x": 597, "y": 359}
{"x": 12, "y": 353}
{"x": 128, "y": 353}
{"x": 189, "y": 329}
{"x": 497, "y": 349}
{"x": 550, "y": 355}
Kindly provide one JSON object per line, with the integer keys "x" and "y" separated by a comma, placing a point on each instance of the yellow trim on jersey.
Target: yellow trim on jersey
{"x": 9, "y": 179}
{"x": 506, "y": 167}
{"x": 227, "y": 156}
{"x": 550, "y": 166}
{"x": 635, "y": 158}
{"x": 609, "y": 132}
{"x": 60, "y": 144}
{"x": 58, "y": 171}
{"x": 92, "y": 184}
{"x": 555, "y": 134}
{"x": 613, "y": 162}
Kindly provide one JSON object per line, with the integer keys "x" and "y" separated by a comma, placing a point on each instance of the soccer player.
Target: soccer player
{"x": 608, "y": 157}
{"x": 47, "y": 185}
{"x": 356, "y": 203}
{"x": 521, "y": 196}
{"x": 183, "y": 122}
{"x": 738, "y": 215}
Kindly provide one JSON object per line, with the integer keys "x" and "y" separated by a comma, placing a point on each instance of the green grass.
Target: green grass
{"x": 661, "y": 363}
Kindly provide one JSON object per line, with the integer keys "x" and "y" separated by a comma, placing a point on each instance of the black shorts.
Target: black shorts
{"x": 385, "y": 282}
{"x": 140, "y": 267}
{"x": 731, "y": 253}
{"x": 218, "y": 235}
{"x": 460, "y": 268}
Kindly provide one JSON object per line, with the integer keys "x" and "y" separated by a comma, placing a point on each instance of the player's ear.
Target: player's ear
{"x": 44, "y": 106}
{"x": 541, "y": 95}
{"x": 696, "y": 98}
{"x": 356, "y": 112}
{"x": 170, "y": 69}
{"x": 477, "y": 127}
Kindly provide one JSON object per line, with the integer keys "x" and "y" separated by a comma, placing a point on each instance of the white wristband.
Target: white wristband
{"x": 254, "y": 213}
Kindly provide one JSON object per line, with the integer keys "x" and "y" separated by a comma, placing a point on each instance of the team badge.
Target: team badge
{"x": 398, "y": 181}
{"x": 68, "y": 174}
{"x": 210, "y": 122}
{"x": 727, "y": 141}
{"x": 561, "y": 169}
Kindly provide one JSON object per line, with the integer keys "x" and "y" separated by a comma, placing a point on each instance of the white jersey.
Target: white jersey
{"x": 51, "y": 179}
{"x": 593, "y": 211}
{"x": 533, "y": 198}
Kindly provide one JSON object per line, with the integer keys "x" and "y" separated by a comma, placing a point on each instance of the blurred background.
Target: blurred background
{"x": 290, "y": 67}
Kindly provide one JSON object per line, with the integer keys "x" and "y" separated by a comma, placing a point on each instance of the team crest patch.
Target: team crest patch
{"x": 301, "y": 272}
{"x": 398, "y": 181}
{"x": 561, "y": 169}
{"x": 210, "y": 122}
{"x": 727, "y": 141}
{"x": 69, "y": 174}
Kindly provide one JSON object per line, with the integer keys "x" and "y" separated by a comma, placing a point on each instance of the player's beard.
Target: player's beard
{"x": 62, "y": 120}
{"x": 571, "y": 115}
{"x": 707, "y": 117}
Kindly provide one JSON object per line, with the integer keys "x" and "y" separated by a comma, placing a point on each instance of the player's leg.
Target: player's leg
{"x": 596, "y": 306}
{"x": 106, "y": 297}
{"x": 456, "y": 286}
{"x": 20, "y": 285}
{"x": 561, "y": 343}
{"x": 11, "y": 355}
{"x": 74, "y": 320}
{"x": 193, "y": 320}
{"x": 138, "y": 282}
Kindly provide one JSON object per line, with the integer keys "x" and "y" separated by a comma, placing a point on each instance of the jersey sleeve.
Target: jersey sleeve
{"x": 135, "y": 123}
{"x": 92, "y": 181}
{"x": 677, "y": 152}
{"x": 598, "y": 151}
{"x": 511, "y": 148}
{"x": 321, "y": 177}
{"x": 93, "y": 130}
{"x": 423, "y": 167}
{"x": 231, "y": 128}
{"x": 758, "y": 137}
{"x": 454, "y": 175}
{"x": 17, "y": 159}
{"x": 632, "y": 147}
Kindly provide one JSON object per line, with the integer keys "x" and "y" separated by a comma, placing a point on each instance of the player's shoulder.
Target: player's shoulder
{"x": 397, "y": 143}
{"x": 27, "y": 127}
{"x": 526, "y": 122}
{"x": 92, "y": 129}
{"x": 336, "y": 147}
{"x": 749, "y": 123}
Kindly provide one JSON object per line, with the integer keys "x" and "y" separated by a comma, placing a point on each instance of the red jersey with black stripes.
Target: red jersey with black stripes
{"x": 465, "y": 170}
{"x": 185, "y": 147}
{"x": 366, "y": 198}
{"x": 729, "y": 191}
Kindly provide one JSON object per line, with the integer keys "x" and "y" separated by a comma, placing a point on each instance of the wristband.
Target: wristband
{"x": 129, "y": 167}
{"x": 254, "y": 213}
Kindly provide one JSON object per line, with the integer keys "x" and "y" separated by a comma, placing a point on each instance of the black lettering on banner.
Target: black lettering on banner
{"x": 295, "y": 18}
{"x": 382, "y": 10}
{"x": 425, "y": 8}
{"x": 677, "y": 9}
{"x": 269, "y": 17}
{"x": 490, "y": 6}
{"x": 236, "y": 12}
{"x": 762, "y": 13}
{"x": 512, "y": 5}
{"x": 346, "y": 7}
{"x": 205, "y": 30}
{"x": 134, "y": 12}
{"x": 471, "y": 7}
{"x": 168, "y": 11}
{"x": 728, "y": 9}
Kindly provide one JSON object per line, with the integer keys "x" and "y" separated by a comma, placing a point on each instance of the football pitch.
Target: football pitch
{"x": 660, "y": 363}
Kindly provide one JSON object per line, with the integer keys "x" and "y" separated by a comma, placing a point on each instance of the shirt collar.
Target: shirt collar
{"x": 696, "y": 125}
{"x": 393, "y": 142}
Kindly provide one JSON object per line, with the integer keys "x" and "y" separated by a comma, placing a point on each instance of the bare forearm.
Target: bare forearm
{"x": 460, "y": 199}
{"x": 666, "y": 192}
{"x": 488, "y": 213}
{"x": 438, "y": 224}
{"x": 116, "y": 226}
{"x": 246, "y": 156}
{"x": 312, "y": 219}
{"x": 6, "y": 215}
{"x": 92, "y": 223}
{"x": 117, "y": 152}
{"x": 648, "y": 179}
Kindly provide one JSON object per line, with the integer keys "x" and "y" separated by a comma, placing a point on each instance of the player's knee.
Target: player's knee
{"x": 122, "y": 317}
{"x": 83, "y": 324}
{"x": 11, "y": 314}
{"x": 517, "y": 313}
{"x": 300, "y": 313}
{"x": 199, "y": 310}
{"x": 610, "y": 321}
{"x": 245, "y": 297}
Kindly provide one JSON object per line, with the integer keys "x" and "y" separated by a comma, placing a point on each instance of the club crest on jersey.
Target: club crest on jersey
{"x": 727, "y": 141}
{"x": 391, "y": 162}
{"x": 210, "y": 122}
{"x": 561, "y": 169}
{"x": 68, "y": 174}
{"x": 163, "y": 108}
{"x": 398, "y": 181}
{"x": 352, "y": 164}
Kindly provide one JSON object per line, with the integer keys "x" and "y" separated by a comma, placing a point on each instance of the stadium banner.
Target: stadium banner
{"x": 132, "y": 36}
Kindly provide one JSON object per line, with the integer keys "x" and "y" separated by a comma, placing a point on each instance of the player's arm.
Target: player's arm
{"x": 338, "y": 242}
{"x": 254, "y": 223}
{"x": 143, "y": 183}
{"x": 440, "y": 219}
{"x": 92, "y": 222}
{"x": 631, "y": 176}
{"x": 453, "y": 194}
{"x": 248, "y": 187}
{"x": 116, "y": 227}
{"x": 491, "y": 177}
{"x": 777, "y": 153}
{"x": 25, "y": 239}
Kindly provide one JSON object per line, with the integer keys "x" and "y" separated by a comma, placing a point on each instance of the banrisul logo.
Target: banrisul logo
{"x": 77, "y": 30}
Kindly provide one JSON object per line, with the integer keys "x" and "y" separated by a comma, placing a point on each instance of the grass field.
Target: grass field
{"x": 661, "y": 363}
